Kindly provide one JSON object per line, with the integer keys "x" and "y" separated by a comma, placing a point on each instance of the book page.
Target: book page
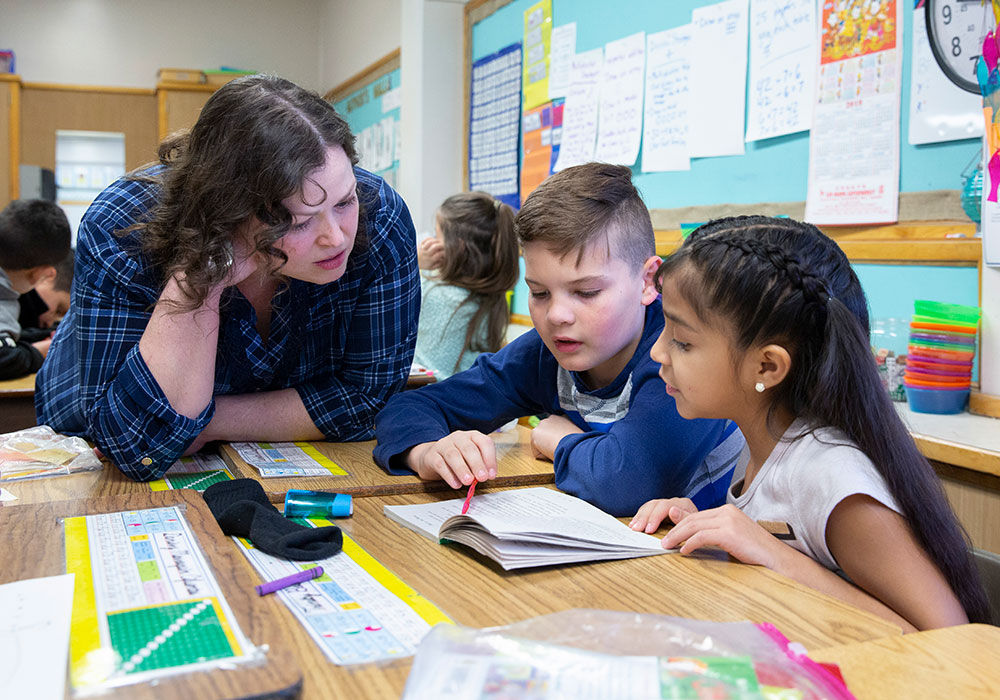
{"x": 520, "y": 511}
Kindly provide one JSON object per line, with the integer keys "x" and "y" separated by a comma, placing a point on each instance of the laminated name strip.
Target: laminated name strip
{"x": 40, "y": 451}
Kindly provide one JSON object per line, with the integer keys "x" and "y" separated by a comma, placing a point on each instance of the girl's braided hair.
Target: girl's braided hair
{"x": 765, "y": 280}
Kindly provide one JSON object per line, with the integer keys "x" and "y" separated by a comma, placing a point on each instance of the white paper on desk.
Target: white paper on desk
{"x": 782, "y": 67}
{"x": 6, "y": 495}
{"x": 668, "y": 93}
{"x": 939, "y": 109}
{"x": 718, "y": 79}
{"x": 620, "y": 124}
{"x": 579, "y": 132}
{"x": 34, "y": 637}
{"x": 563, "y": 48}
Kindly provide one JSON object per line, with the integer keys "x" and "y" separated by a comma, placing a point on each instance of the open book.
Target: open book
{"x": 521, "y": 528}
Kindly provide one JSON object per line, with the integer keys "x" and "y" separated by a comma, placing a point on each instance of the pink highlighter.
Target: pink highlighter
{"x": 468, "y": 499}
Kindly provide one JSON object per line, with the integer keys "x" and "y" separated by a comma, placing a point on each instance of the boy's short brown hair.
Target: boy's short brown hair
{"x": 33, "y": 232}
{"x": 576, "y": 206}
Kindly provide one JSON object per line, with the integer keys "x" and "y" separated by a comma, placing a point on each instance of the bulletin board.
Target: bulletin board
{"x": 370, "y": 102}
{"x": 916, "y": 258}
{"x": 772, "y": 170}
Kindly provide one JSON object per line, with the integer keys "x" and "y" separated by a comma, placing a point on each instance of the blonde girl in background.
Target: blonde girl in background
{"x": 472, "y": 263}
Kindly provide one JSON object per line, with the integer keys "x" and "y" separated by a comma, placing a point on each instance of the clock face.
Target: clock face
{"x": 956, "y": 29}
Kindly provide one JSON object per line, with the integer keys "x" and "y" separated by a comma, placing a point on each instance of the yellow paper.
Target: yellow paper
{"x": 536, "y": 47}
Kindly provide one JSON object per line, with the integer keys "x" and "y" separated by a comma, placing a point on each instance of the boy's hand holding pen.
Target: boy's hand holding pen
{"x": 461, "y": 458}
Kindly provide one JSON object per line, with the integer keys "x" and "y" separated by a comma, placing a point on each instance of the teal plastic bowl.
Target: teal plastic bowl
{"x": 938, "y": 401}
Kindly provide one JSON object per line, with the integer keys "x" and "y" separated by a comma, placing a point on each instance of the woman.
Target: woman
{"x": 254, "y": 286}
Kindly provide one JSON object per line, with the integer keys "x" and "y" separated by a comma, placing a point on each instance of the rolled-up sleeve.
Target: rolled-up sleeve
{"x": 95, "y": 382}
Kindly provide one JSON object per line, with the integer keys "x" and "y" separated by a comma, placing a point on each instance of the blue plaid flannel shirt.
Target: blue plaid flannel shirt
{"x": 345, "y": 346}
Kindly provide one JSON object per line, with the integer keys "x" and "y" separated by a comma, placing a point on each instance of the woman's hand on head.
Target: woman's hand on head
{"x": 652, "y": 513}
{"x": 430, "y": 253}
{"x": 731, "y": 530}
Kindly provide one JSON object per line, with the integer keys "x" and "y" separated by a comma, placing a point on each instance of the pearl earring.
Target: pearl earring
{"x": 759, "y": 386}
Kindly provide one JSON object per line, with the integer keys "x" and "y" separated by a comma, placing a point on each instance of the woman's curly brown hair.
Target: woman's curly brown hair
{"x": 256, "y": 141}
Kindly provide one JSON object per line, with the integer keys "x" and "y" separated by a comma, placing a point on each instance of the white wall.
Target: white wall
{"x": 122, "y": 43}
{"x": 355, "y": 34}
{"x": 430, "y": 162}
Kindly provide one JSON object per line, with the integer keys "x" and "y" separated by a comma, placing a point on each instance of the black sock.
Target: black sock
{"x": 241, "y": 508}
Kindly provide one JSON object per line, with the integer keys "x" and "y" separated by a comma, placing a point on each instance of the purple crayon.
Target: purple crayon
{"x": 286, "y": 581}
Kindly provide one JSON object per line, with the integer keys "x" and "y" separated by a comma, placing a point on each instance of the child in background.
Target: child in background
{"x": 614, "y": 436}
{"x": 55, "y": 291}
{"x": 463, "y": 307}
{"x": 762, "y": 328}
{"x": 34, "y": 237}
{"x": 45, "y": 305}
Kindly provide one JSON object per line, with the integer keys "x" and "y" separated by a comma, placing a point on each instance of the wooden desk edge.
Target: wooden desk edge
{"x": 974, "y": 458}
{"x": 239, "y": 469}
{"x": 22, "y": 387}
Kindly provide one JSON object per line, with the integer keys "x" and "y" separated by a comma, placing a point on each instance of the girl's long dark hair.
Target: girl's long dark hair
{"x": 255, "y": 142}
{"x": 480, "y": 255}
{"x": 781, "y": 281}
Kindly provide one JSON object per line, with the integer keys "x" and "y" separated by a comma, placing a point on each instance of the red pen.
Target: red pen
{"x": 468, "y": 499}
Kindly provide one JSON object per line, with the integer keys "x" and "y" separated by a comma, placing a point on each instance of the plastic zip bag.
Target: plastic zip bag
{"x": 40, "y": 451}
{"x": 579, "y": 654}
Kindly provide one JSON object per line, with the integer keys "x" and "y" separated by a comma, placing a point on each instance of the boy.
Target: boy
{"x": 613, "y": 433}
{"x": 34, "y": 238}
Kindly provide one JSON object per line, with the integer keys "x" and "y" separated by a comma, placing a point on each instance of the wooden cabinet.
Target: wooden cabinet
{"x": 179, "y": 104}
{"x": 10, "y": 114}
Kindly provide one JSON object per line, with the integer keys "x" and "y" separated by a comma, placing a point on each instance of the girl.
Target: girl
{"x": 464, "y": 306}
{"x": 762, "y": 327}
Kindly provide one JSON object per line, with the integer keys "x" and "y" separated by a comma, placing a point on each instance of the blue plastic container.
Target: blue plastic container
{"x": 937, "y": 400}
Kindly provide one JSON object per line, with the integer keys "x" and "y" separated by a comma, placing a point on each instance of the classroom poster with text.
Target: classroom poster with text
{"x": 854, "y": 142}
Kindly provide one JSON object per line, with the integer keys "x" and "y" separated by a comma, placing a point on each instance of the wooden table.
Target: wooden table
{"x": 954, "y": 662}
{"x": 17, "y": 403}
{"x": 475, "y": 591}
{"x": 34, "y": 547}
{"x": 517, "y": 467}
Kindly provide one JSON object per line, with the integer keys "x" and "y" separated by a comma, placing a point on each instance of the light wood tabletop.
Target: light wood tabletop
{"x": 473, "y": 590}
{"x": 34, "y": 547}
{"x": 21, "y": 387}
{"x": 516, "y": 466}
{"x": 953, "y": 662}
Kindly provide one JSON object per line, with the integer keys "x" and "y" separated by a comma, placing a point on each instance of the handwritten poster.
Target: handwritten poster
{"x": 561, "y": 59}
{"x": 718, "y": 79}
{"x": 854, "y": 142}
{"x": 494, "y": 124}
{"x": 579, "y": 131}
{"x": 782, "y": 67}
{"x": 665, "y": 125}
{"x": 537, "y": 40}
{"x": 620, "y": 114}
{"x": 939, "y": 109}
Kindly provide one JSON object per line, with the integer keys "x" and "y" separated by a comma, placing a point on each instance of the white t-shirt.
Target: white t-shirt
{"x": 800, "y": 484}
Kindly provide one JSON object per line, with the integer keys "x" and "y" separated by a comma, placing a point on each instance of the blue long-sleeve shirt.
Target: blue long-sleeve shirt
{"x": 635, "y": 446}
{"x": 344, "y": 346}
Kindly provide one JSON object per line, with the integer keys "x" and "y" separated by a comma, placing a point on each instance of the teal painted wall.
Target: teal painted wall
{"x": 370, "y": 113}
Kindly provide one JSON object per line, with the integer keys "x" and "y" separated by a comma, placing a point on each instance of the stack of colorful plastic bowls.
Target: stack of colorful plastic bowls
{"x": 939, "y": 356}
